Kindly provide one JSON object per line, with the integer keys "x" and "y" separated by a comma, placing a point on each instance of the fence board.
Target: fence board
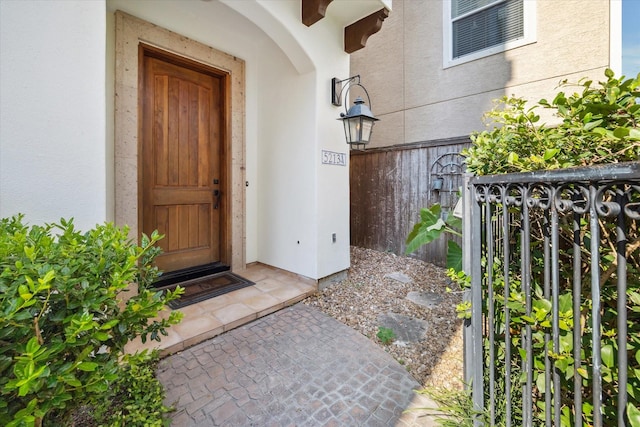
{"x": 388, "y": 188}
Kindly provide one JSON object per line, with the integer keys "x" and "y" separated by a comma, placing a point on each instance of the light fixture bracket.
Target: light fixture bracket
{"x": 338, "y": 89}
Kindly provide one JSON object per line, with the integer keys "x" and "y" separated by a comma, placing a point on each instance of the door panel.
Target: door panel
{"x": 181, "y": 164}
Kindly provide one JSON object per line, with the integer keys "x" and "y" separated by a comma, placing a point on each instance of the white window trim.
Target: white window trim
{"x": 615, "y": 38}
{"x": 529, "y": 10}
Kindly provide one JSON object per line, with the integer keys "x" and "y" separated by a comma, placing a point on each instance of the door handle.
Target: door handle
{"x": 216, "y": 194}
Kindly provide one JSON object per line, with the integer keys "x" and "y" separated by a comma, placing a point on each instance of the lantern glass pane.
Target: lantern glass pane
{"x": 367, "y": 126}
{"x": 354, "y": 130}
{"x": 347, "y": 133}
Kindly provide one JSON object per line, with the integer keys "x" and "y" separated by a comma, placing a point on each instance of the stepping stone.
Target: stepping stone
{"x": 400, "y": 277}
{"x": 406, "y": 329}
{"x": 425, "y": 299}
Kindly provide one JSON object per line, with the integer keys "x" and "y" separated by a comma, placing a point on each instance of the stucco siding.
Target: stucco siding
{"x": 419, "y": 99}
{"x": 52, "y": 111}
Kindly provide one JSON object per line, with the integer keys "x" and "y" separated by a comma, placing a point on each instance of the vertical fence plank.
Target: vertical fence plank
{"x": 506, "y": 256}
{"x": 621, "y": 258}
{"x": 476, "y": 303}
{"x": 467, "y": 248}
{"x": 547, "y": 337}
{"x": 555, "y": 295}
{"x": 596, "y": 305}
{"x": 577, "y": 324}
{"x": 489, "y": 244}
{"x": 525, "y": 268}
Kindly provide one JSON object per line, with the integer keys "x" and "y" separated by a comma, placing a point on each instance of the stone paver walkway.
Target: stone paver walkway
{"x": 296, "y": 367}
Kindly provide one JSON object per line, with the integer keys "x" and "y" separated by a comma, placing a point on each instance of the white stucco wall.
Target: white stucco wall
{"x": 57, "y": 131}
{"x": 301, "y": 202}
{"x": 418, "y": 99}
{"x": 317, "y": 204}
{"x": 52, "y": 111}
{"x": 291, "y": 197}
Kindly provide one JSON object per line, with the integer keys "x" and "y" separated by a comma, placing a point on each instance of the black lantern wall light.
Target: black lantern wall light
{"x": 358, "y": 121}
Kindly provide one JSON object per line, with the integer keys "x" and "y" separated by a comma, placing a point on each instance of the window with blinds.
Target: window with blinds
{"x": 476, "y": 28}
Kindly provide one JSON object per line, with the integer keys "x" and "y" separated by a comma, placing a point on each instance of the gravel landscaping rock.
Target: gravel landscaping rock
{"x": 372, "y": 290}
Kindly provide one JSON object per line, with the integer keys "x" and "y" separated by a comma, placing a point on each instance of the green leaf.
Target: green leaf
{"x": 110, "y": 324}
{"x": 23, "y": 291}
{"x": 536, "y": 159}
{"x": 635, "y": 298}
{"x": 593, "y": 125}
{"x": 44, "y": 282}
{"x": 565, "y": 303}
{"x": 87, "y": 366}
{"x": 633, "y": 413}
{"x": 454, "y": 256}
{"x": 621, "y": 132}
{"x": 608, "y": 357}
{"x": 29, "y": 251}
{"x": 71, "y": 380}
{"x": 454, "y": 221}
{"x": 24, "y": 390}
{"x": 102, "y": 336}
{"x": 562, "y": 364}
{"x": 528, "y": 319}
{"x": 427, "y": 230}
{"x": 542, "y": 305}
{"x": 550, "y": 153}
{"x": 33, "y": 345}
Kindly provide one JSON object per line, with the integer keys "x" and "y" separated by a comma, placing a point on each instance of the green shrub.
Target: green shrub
{"x": 65, "y": 317}
{"x": 598, "y": 125}
{"x": 136, "y": 397}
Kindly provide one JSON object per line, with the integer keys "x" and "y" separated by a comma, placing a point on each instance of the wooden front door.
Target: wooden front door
{"x": 182, "y": 179}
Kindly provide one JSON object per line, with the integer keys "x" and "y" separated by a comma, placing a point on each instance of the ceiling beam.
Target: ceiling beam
{"x": 313, "y": 11}
{"x": 356, "y": 34}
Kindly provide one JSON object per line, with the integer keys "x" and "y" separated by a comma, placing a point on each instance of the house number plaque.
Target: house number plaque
{"x": 333, "y": 158}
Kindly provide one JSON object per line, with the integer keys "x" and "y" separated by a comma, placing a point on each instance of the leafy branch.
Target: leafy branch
{"x": 430, "y": 227}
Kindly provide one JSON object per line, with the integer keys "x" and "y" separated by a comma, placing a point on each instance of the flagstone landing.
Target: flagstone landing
{"x": 274, "y": 289}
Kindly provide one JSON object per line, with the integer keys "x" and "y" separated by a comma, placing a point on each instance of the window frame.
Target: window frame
{"x": 529, "y": 26}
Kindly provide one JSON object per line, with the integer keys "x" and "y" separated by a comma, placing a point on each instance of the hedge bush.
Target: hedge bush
{"x": 599, "y": 124}
{"x": 69, "y": 303}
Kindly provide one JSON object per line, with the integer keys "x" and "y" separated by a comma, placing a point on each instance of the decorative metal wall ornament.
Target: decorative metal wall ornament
{"x": 446, "y": 179}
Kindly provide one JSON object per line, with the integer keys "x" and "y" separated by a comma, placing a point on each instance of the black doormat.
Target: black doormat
{"x": 187, "y": 274}
{"x": 206, "y": 287}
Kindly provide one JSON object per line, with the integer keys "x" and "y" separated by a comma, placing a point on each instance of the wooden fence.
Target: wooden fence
{"x": 388, "y": 188}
